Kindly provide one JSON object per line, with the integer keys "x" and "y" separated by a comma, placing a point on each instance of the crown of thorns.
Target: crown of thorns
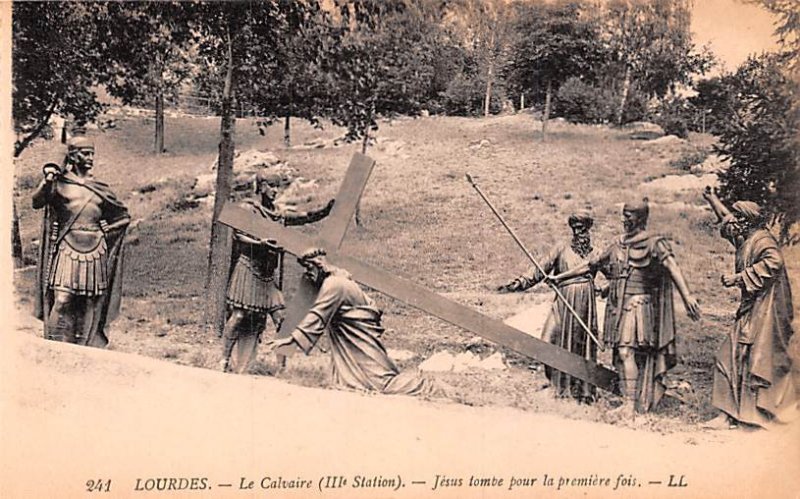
{"x": 311, "y": 254}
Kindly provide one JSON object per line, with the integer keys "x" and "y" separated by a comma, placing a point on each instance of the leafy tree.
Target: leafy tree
{"x": 58, "y": 58}
{"x": 758, "y": 132}
{"x": 149, "y": 47}
{"x": 787, "y": 27}
{"x": 483, "y": 28}
{"x": 554, "y": 42}
{"x": 236, "y": 43}
{"x": 293, "y": 80}
{"x": 383, "y": 64}
{"x": 57, "y": 61}
{"x": 713, "y": 103}
{"x": 650, "y": 43}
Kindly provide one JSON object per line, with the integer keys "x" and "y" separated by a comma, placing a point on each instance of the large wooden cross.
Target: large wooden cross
{"x": 330, "y": 238}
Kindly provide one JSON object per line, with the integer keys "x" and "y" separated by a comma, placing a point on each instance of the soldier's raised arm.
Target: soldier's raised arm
{"x": 47, "y": 187}
{"x": 307, "y": 217}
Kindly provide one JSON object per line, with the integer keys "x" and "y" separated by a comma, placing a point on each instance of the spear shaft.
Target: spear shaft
{"x": 535, "y": 263}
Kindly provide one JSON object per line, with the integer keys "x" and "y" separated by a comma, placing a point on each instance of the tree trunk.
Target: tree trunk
{"x": 548, "y": 98}
{"x": 16, "y": 240}
{"x": 364, "y": 145}
{"x": 19, "y": 146}
{"x": 487, "y": 100}
{"x": 626, "y": 85}
{"x": 521, "y": 102}
{"x": 159, "y": 139}
{"x": 287, "y": 139}
{"x": 220, "y": 246}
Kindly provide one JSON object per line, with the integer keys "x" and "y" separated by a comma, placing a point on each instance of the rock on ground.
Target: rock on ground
{"x": 460, "y": 362}
{"x": 532, "y": 319}
{"x": 679, "y": 183}
{"x": 667, "y": 140}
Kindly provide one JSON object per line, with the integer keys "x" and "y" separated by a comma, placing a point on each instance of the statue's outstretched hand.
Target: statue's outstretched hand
{"x": 693, "y": 308}
{"x": 279, "y": 342}
{"x": 510, "y": 287}
{"x": 731, "y": 280}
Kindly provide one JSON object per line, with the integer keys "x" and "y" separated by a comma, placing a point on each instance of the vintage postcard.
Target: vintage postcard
{"x": 400, "y": 249}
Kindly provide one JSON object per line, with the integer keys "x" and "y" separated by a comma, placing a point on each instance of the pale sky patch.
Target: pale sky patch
{"x": 734, "y": 29}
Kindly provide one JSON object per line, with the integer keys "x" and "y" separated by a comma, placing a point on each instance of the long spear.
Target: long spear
{"x": 535, "y": 263}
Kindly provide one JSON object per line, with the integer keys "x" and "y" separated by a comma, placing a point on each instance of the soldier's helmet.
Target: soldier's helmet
{"x": 80, "y": 142}
{"x": 640, "y": 208}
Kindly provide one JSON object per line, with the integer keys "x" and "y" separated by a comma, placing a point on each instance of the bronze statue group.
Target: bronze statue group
{"x": 80, "y": 265}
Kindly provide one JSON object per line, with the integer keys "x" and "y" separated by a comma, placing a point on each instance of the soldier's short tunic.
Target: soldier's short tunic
{"x": 252, "y": 285}
{"x": 80, "y": 266}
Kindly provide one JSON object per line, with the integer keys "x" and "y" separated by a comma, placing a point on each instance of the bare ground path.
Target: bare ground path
{"x": 72, "y": 414}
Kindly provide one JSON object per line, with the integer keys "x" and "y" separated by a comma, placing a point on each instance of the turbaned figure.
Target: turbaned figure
{"x": 561, "y": 328}
{"x": 753, "y": 369}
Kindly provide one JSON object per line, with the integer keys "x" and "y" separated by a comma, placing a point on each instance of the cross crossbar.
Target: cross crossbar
{"x": 417, "y": 296}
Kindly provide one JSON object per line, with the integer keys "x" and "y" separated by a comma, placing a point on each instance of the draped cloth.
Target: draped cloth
{"x": 104, "y": 307}
{"x": 752, "y": 375}
{"x": 561, "y": 328}
{"x": 359, "y": 360}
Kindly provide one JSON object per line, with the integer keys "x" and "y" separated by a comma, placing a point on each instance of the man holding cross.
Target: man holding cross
{"x": 353, "y": 322}
{"x": 252, "y": 293}
{"x": 331, "y": 236}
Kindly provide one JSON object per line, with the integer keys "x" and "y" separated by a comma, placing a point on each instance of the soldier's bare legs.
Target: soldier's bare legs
{"x": 628, "y": 375}
{"x": 61, "y": 322}
{"x": 230, "y": 335}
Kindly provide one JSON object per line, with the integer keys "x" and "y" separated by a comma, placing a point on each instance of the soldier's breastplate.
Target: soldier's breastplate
{"x": 84, "y": 235}
{"x": 642, "y": 276}
{"x": 84, "y": 240}
{"x": 260, "y": 259}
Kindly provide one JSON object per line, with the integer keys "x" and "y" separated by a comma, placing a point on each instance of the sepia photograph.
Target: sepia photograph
{"x": 400, "y": 248}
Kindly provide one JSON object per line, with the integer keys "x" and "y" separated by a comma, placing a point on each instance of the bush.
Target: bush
{"x": 581, "y": 102}
{"x": 465, "y": 94}
{"x": 675, "y": 115}
{"x": 690, "y": 158}
{"x": 760, "y": 134}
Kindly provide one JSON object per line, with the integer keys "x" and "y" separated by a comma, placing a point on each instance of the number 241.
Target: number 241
{"x": 98, "y": 485}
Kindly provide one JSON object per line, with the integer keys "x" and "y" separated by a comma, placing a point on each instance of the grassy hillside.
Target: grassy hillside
{"x": 421, "y": 220}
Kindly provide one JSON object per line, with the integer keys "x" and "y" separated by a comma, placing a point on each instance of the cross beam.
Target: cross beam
{"x": 331, "y": 235}
{"x": 417, "y": 296}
